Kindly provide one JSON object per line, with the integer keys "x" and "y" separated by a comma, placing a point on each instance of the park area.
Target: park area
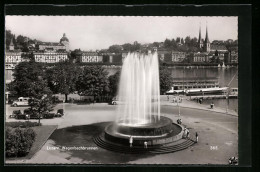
{"x": 72, "y": 141}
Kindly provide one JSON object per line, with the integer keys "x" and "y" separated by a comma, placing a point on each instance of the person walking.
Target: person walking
{"x": 185, "y": 132}
{"x": 145, "y": 144}
{"x": 168, "y": 97}
{"x": 188, "y": 133}
{"x": 197, "y": 137}
{"x": 131, "y": 141}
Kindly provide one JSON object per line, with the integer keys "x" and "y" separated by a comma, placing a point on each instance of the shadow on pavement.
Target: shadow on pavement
{"x": 82, "y": 136}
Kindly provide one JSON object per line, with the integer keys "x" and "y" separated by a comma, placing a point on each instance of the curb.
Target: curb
{"x": 201, "y": 109}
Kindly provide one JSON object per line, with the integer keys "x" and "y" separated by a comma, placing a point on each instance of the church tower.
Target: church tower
{"x": 65, "y": 41}
{"x": 11, "y": 46}
{"x": 206, "y": 42}
{"x": 200, "y": 42}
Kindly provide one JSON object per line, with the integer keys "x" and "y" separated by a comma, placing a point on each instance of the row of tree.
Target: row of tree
{"x": 33, "y": 79}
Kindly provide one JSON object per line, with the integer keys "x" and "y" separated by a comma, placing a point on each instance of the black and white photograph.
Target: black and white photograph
{"x": 121, "y": 90}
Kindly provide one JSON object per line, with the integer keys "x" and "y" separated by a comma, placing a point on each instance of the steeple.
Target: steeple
{"x": 200, "y": 42}
{"x": 199, "y": 35}
{"x": 11, "y": 46}
{"x": 207, "y": 37}
{"x": 206, "y": 42}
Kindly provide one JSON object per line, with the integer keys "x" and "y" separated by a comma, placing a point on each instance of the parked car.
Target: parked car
{"x": 59, "y": 113}
{"x": 22, "y": 101}
{"x": 15, "y": 113}
{"x": 31, "y": 115}
{"x": 48, "y": 115}
{"x": 22, "y": 116}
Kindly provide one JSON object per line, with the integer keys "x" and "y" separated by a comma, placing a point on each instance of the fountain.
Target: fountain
{"x": 138, "y": 111}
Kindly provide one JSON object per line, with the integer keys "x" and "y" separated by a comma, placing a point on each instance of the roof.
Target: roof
{"x": 50, "y": 43}
{"x": 218, "y": 47}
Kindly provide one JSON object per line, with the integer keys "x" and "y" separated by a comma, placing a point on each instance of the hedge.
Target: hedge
{"x": 22, "y": 124}
{"x": 18, "y": 141}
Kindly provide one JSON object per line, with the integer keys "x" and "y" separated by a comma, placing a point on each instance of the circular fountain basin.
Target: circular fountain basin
{"x": 156, "y": 133}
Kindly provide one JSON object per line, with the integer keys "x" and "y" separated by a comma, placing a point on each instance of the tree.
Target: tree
{"x": 167, "y": 43}
{"x": 30, "y": 82}
{"x": 115, "y": 48}
{"x": 62, "y": 78}
{"x": 127, "y": 47}
{"x": 93, "y": 81}
{"x": 41, "y": 98}
{"x": 113, "y": 83}
{"x": 166, "y": 80}
{"x": 25, "y": 74}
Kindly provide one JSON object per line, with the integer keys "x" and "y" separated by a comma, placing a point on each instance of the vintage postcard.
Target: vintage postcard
{"x": 121, "y": 90}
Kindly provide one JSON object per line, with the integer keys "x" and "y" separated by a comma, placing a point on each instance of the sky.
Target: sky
{"x": 100, "y": 32}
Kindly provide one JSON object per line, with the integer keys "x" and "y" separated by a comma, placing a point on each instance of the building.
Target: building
{"x": 54, "y": 46}
{"x": 199, "y": 57}
{"x": 218, "y": 47}
{"x": 91, "y": 57}
{"x": 50, "y": 57}
{"x": 65, "y": 41}
{"x": 178, "y": 56}
{"x": 165, "y": 55}
{"x": 50, "y": 46}
{"x": 13, "y": 57}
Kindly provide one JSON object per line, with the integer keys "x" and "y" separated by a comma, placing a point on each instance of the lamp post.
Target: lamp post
{"x": 179, "y": 105}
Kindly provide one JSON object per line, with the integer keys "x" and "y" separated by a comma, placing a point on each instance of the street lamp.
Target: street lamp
{"x": 178, "y": 105}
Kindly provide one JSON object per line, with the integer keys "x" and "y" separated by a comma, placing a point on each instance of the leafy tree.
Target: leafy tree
{"x": 25, "y": 74}
{"x": 166, "y": 80}
{"x": 62, "y": 78}
{"x": 115, "y": 48}
{"x": 30, "y": 82}
{"x": 113, "y": 83}
{"x": 167, "y": 43}
{"x": 41, "y": 98}
{"x": 127, "y": 46}
{"x": 93, "y": 81}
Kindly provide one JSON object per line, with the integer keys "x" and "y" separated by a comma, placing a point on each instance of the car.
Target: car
{"x": 15, "y": 113}
{"x": 59, "y": 113}
{"x": 22, "y": 116}
{"x": 22, "y": 101}
{"x": 114, "y": 102}
{"x": 30, "y": 115}
{"x": 48, "y": 115}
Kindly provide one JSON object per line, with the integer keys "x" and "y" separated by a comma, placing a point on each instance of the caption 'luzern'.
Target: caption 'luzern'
{"x": 71, "y": 148}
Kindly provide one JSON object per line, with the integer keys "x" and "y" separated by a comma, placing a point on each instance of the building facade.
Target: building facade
{"x": 178, "y": 56}
{"x": 50, "y": 57}
{"x": 12, "y": 57}
{"x": 90, "y": 57}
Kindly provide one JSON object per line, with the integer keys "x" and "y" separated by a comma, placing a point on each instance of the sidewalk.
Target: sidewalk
{"x": 191, "y": 104}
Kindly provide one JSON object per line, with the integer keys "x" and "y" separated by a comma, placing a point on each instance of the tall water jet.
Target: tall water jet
{"x": 139, "y": 90}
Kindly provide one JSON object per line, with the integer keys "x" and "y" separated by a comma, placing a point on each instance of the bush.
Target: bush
{"x": 22, "y": 124}
{"x": 18, "y": 141}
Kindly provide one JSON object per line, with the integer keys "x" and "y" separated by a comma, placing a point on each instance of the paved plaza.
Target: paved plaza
{"x": 218, "y": 135}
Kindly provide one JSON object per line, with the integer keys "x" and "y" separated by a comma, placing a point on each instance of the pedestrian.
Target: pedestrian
{"x": 212, "y": 105}
{"x": 131, "y": 141}
{"x": 173, "y": 99}
{"x": 197, "y": 137}
{"x": 168, "y": 97}
{"x": 185, "y": 132}
{"x": 188, "y": 133}
{"x": 145, "y": 144}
